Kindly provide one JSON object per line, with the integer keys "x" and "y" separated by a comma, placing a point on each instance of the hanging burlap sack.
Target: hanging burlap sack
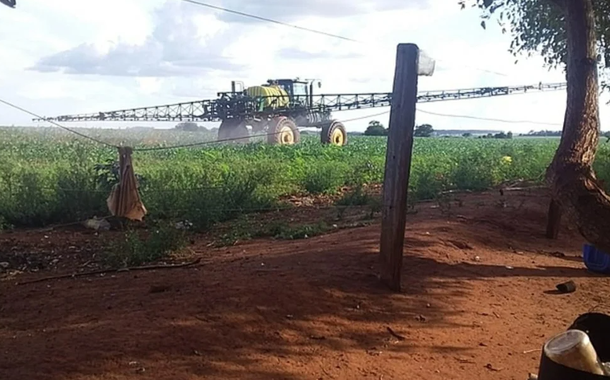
{"x": 124, "y": 200}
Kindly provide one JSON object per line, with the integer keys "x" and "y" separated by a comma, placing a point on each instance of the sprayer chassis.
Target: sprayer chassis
{"x": 236, "y": 111}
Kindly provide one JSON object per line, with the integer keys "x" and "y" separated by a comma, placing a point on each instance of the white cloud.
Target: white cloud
{"x": 290, "y": 11}
{"x": 181, "y": 44}
{"x": 74, "y": 56}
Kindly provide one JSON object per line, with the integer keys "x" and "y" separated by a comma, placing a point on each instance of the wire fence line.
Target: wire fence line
{"x": 216, "y": 202}
{"x": 13, "y": 190}
{"x": 499, "y": 120}
{"x": 341, "y": 213}
{"x": 259, "y": 18}
{"x": 101, "y": 142}
{"x": 266, "y": 134}
{"x": 243, "y": 14}
{"x": 233, "y": 139}
{"x": 206, "y": 217}
{"x": 25, "y": 200}
{"x": 200, "y": 143}
{"x": 31, "y": 197}
{"x": 343, "y": 38}
{"x": 263, "y": 19}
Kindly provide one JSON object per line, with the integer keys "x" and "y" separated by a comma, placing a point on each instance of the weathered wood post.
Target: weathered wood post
{"x": 409, "y": 64}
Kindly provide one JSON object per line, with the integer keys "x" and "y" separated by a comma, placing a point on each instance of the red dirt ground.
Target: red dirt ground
{"x": 478, "y": 303}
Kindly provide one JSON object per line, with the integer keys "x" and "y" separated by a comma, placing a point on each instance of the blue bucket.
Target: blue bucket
{"x": 596, "y": 260}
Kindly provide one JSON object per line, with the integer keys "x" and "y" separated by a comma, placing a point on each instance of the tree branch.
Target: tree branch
{"x": 104, "y": 271}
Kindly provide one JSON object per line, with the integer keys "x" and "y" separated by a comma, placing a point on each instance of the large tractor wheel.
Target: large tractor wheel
{"x": 233, "y": 130}
{"x": 283, "y": 131}
{"x": 334, "y": 133}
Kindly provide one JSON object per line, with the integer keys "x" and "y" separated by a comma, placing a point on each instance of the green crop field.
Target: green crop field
{"x": 49, "y": 176}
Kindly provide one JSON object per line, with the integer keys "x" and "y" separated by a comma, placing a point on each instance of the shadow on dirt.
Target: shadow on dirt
{"x": 260, "y": 310}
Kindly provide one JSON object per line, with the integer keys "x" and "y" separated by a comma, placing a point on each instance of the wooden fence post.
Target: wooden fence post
{"x": 398, "y": 162}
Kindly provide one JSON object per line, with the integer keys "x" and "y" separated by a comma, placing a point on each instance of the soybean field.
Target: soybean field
{"x": 48, "y": 176}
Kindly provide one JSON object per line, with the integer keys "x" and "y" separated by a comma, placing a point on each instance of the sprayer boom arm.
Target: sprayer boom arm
{"x": 228, "y": 106}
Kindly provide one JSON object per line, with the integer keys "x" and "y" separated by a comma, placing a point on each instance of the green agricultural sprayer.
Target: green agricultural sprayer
{"x": 279, "y": 107}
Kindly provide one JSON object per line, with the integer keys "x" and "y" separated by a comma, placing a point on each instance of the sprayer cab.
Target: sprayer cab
{"x": 299, "y": 91}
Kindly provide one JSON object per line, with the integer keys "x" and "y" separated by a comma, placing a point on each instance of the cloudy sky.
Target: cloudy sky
{"x": 77, "y": 56}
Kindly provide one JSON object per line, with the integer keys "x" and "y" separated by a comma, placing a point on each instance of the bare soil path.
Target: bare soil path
{"x": 479, "y": 301}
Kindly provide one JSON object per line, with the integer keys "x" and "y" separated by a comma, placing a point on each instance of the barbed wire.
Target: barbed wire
{"x": 488, "y": 119}
{"x": 144, "y": 189}
{"x": 466, "y": 117}
{"x": 57, "y": 124}
{"x": 268, "y": 20}
{"x": 268, "y": 134}
{"x": 174, "y": 214}
{"x": 202, "y": 143}
{"x": 260, "y": 18}
{"x": 284, "y": 204}
{"x": 366, "y": 117}
{"x": 281, "y": 206}
{"x": 189, "y": 145}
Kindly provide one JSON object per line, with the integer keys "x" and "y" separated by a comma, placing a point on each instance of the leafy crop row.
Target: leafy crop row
{"x": 49, "y": 177}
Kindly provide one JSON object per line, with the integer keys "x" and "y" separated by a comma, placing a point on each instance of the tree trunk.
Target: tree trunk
{"x": 553, "y": 223}
{"x": 570, "y": 174}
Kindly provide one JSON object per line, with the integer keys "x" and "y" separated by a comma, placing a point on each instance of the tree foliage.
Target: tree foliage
{"x": 544, "y": 133}
{"x": 187, "y": 126}
{"x": 375, "y": 128}
{"x": 538, "y": 27}
{"x": 500, "y": 135}
{"x": 576, "y": 35}
{"x": 424, "y": 130}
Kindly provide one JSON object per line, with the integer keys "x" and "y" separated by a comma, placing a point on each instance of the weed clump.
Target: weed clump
{"x": 134, "y": 250}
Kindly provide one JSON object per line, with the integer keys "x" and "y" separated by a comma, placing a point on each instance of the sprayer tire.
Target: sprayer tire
{"x": 334, "y": 133}
{"x": 283, "y": 131}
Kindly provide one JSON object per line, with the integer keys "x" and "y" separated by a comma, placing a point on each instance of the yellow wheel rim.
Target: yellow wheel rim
{"x": 337, "y": 137}
{"x": 286, "y": 136}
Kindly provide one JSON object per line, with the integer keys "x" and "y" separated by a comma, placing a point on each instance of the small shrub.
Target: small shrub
{"x": 161, "y": 242}
{"x": 324, "y": 178}
{"x": 284, "y": 232}
{"x": 355, "y": 197}
{"x": 78, "y": 196}
{"x": 366, "y": 171}
{"x": 376, "y": 205}
{"x": 4, "y": 225}
{"x": 240, "y": 193}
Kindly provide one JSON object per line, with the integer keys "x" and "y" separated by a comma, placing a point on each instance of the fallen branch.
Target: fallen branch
{"x": 394, "y": 334}
{"x": 456, "y": 191}
{"x": 105, "y": 271}
{"x": 523, "y": 188}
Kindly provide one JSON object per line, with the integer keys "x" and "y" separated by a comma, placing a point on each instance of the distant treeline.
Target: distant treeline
{"x": 554, "y": 134}
{"x": 541, "y": 134}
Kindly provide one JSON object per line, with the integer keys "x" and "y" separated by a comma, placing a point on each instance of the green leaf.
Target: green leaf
{"x": 537, "y": 27}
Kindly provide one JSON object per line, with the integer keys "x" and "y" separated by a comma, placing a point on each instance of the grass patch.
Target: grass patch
{"x": 282, "y": 231}
{"x": 134, "y": 250}
{"x": 48, "y": 176}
